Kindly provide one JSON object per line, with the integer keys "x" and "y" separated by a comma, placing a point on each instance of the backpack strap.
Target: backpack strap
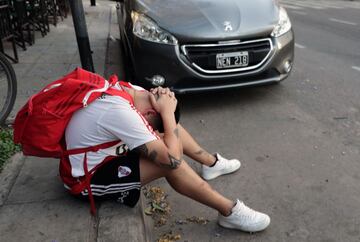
{"x": 122, "y": 93}
{"x": 85, "y": 183}
{"x": 125, "y": 84}
{"x": 91, "y": 148}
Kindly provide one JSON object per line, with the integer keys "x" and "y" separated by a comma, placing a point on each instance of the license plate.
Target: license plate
{"x": 233, "y": 59}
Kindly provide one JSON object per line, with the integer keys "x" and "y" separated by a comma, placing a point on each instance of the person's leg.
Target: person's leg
{"x": 185, "y": 181}
{"x": 193, "y": 149}
{"x": 212, "y": 166}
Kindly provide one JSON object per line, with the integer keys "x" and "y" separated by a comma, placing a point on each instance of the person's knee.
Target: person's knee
{"x": 203, "y": 185}
{"x": 174, "y": 165}
{"x": 176, "y": 171}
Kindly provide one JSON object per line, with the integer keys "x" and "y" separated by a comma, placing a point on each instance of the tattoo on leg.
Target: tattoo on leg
{"x": 174, "y": 163}
{"x": 142, "y": 149}
{"x": 176, "y": 132}
{"x": 153, "y": 155}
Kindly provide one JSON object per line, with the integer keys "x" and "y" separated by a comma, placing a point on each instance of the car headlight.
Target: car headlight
{"x": 284, "y": 24}
{"x": 145, "y": 28}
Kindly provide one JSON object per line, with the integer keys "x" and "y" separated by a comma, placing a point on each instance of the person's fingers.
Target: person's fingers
{"x": 162, "y": 91}
{"x": 165, "y": 91}
{"x": 155, "y": 90}
{"x": 153, "y": 102}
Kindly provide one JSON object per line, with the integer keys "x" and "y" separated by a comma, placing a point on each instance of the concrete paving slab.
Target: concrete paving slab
{"x": 30, "y": 86}
{"x": 58, "y": 57}
{"x": 37, "y": 181}
{"x": 57, "y": 49}
{"x": 60, "y": 220}
{"x": 47, "y": 70}
{"x": 30, "y": 57}
{"x": 9, "y": 175}
{"x": 21, "y": 69}
{"x": 44, "y": 42}
{"x": 117, "y": 222}
{"x": 69, "y": 41}
{"x": 41, "y": 47}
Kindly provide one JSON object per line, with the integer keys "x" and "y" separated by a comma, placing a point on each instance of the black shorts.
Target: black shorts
{"x": 118, "y": 179}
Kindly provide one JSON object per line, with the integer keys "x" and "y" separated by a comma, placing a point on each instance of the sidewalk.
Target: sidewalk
{"x": 34, "y": 206}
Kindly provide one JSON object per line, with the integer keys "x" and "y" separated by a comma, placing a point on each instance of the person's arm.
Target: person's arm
{"x": 167, "y": 152}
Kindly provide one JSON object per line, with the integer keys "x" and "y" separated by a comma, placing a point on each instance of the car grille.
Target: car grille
{"x": 203, "y": 56}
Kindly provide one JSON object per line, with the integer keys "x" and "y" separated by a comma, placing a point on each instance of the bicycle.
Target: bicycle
{"x": 8, "y": 88}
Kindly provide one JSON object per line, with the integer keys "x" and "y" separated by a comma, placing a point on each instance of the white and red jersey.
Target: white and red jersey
{"x": 109, "y": 118}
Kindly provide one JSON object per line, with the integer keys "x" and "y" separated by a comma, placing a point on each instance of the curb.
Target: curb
{"x": 9, "y": 174}
{"x": 147, "y": 222}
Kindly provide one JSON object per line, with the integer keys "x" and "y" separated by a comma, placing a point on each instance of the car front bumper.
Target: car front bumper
{"x": 151, "y": 59}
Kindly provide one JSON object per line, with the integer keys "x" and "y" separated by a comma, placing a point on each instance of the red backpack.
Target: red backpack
{"x": 40, "y": 125}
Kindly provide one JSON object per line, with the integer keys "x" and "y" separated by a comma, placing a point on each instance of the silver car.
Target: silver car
{"x": 202, "y": 45}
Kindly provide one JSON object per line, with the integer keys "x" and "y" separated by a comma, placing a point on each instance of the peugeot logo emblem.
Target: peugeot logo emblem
{"x": 227, "y": 26}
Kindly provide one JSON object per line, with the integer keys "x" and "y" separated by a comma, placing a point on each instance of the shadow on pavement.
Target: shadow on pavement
{"x": 191, "y": 103}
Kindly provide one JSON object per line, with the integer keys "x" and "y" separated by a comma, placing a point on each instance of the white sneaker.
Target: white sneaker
{"x": 222, "y": 166}
{"x": 244, "y": 218}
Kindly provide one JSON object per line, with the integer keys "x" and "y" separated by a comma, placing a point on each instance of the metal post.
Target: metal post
{"x": 93, "y": 2}
{"x": 82, "y": 37}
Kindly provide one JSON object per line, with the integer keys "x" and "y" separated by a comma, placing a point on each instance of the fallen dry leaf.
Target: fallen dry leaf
{"x": 169, "y": 237}
{"x": 198, "y": 220}
{"x": 159, "y": 209}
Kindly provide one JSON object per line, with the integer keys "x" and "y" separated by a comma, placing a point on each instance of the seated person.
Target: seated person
{"x": 143, "y": 155}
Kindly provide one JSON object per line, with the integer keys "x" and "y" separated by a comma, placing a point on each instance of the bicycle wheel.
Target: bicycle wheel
{"x": 7, "y": 88}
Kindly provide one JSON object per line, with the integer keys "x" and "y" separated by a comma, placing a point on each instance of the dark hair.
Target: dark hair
{"x": 157, "y": 122}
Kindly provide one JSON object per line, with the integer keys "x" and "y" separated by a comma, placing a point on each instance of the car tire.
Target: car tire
{"x": 128, "y": 68}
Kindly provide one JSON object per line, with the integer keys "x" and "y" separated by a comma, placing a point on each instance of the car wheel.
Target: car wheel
{"x": 128, "y": 69}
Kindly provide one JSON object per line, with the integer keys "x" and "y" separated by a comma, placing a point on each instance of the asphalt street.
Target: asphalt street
{"x": 299, "y": 141}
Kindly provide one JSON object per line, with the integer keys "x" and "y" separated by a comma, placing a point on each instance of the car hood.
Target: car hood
{"x": 206, "y": 20}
